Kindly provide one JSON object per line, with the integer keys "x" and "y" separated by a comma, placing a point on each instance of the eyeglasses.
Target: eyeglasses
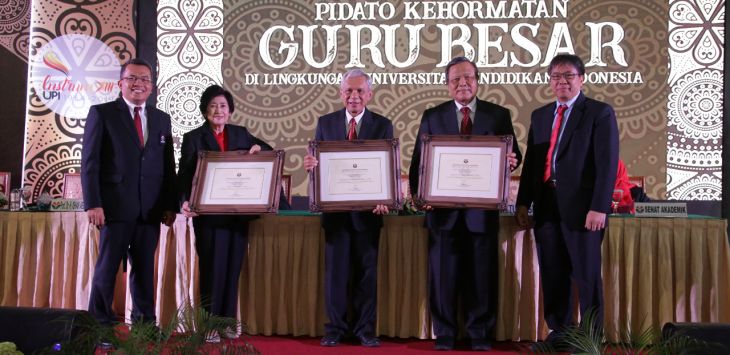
{"x": 468, "y": 78}
{"x": 133, "y": 79}
{"x": 567, "y": 76}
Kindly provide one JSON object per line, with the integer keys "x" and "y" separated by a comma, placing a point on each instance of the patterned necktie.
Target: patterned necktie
{"x": 553, "y": 141}
{"x": 138, "y": 125}
{"x": 465, "y": 121}
{"x": 352, "y": 132}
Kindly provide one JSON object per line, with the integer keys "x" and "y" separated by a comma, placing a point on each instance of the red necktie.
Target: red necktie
{"x": 553, "y": 140}
{"x": 138, "y": 125}
{"x": 465, "y": 121}
{"x": 352, "y": 132}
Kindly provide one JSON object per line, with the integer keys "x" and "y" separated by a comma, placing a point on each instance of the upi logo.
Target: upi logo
{"x": 73, "y": 72}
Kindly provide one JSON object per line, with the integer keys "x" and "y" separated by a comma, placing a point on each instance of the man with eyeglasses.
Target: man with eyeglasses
{"x": 568, "y": 177}
{"x": 463, "y": 243}
{"x": 128, "y": 181}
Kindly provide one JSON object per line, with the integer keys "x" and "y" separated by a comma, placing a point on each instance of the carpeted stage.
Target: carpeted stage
{"x": 280, "y": 345}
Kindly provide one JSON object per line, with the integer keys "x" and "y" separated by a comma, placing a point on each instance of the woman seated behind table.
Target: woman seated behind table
{"x": 220, "y": 240}
{"x": 625, "y": 192}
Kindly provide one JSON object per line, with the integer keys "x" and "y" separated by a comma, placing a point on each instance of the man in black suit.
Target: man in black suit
{"x": 569, "y": 174}
{"x": 128, "y": 181}
{"x": 463, "y": 242}
{"x": 351, "y": 249}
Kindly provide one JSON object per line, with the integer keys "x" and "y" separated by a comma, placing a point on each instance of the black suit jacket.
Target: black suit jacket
{"x": 332, "y": 127}
{"x": 202, "y": 139}
{"x": 489, "y": 119}
{"x": 585, "y": 165}
{"x": 117, "y": 174}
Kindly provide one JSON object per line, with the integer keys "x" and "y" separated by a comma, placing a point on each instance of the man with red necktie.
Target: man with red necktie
{"x": 351, "y": 238}
{"x": 128, "y": 182}
{"x": 569, "y": 176}
{"x": 463, "y": 243}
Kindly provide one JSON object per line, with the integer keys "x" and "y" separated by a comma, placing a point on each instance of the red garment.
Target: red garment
{"x": 222, "y": 139}
{"x": 622, "y": 190}
{"x": 138, "y": 125}
{"x": 553, "y": 140}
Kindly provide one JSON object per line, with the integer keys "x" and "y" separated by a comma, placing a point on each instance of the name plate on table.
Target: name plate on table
{"x": 661, "y": 209}
{"x": 64, "y": 204}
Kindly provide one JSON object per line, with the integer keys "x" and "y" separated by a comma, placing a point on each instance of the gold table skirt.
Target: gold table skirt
{"x": 655, "y": 270}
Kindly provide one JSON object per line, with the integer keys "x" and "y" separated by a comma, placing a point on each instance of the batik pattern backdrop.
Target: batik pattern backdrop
{"x": 669, "y": 119}
{"x": 14, "y": 26}
{"x": 285, "y": 114}
{"x": 190, "y": 52}
{"x": 14, "y": 35}
{"x": 694, "y": 132}
{"x": 69, "y": 38}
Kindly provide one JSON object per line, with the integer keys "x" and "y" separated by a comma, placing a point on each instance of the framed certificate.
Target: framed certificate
{"x": 464, "y": 171}
{"x": 355, "y": 175}
{"x": 72, "y": 186}
{"x": 236, "y": 182}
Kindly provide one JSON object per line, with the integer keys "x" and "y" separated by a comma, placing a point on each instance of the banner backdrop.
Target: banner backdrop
{"x": 76, "y": 48}
{"x": 659, "y": 63}
{"x": 14, "y": 35}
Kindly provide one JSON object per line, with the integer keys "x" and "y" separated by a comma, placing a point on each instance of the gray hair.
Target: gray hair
{"x": 354, "y": 73}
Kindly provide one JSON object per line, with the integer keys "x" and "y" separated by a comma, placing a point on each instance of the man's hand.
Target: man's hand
{"x": 310, "y": 162}
{"x": 381, "y": 209}
{"x": 595, "y": 220}
{"x": 186, "y": 210}
{"x": 254, "y": 149}
{"x": 421, "y": 207}
{"x": 512, "y": 161}
{"x": 96, "y": 216}
{"x": 521, "y": 216}
{"x": 168, "y": 217}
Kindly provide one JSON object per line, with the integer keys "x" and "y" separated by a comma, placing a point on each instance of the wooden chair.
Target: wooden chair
{"x": 286, "y": 186}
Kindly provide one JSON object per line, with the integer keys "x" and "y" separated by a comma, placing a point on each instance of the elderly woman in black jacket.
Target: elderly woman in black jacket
{"x": 221, "y": 241}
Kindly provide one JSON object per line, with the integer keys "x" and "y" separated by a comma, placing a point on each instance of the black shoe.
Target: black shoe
{"x": 331, "y": 339}
{"x": 444, "y": 343}
{"x": 481, "y": 344}
{"x": 369, "y": 341}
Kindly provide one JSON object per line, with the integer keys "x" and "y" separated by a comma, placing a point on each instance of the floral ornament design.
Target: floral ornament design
{"x": 188, "y": 29}
{"x": 180, "y": 97}
{"x": 695, "y": 105}
{"x": 698, "y": 26}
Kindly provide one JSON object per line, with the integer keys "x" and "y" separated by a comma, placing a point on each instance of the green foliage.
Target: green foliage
{"x": 588, "y": 338}
{"x": 8, "y": 348}
{"x": 185, "y": 333}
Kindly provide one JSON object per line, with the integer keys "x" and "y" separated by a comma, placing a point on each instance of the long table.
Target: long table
{"x": 655, "y": 271}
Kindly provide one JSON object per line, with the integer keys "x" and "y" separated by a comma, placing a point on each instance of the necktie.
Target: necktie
{"x": 465, "y": 121}
{"x": 138, "y": 125}
{"x": 553, "y": 141}
{"x": 352, "y": 131}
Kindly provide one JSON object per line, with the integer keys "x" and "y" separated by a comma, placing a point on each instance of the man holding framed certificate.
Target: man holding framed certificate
{"x": 351, "y": 238}
{"x": 463, "y": 241}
